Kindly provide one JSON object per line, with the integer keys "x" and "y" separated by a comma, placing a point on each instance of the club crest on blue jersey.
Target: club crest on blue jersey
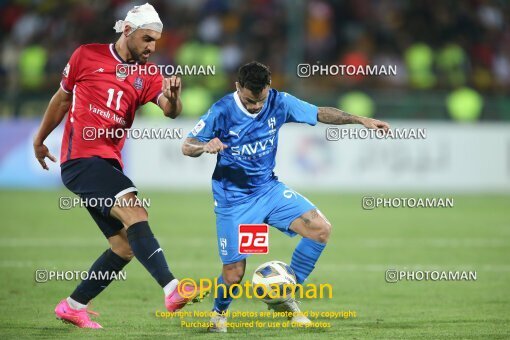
{"x": 271, "y": 122}
{"x": 138, "y": 83}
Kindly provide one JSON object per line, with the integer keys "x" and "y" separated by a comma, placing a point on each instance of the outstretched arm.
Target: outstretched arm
{"x": 57, "y": 108}
{"x": 331, "y": 115}
{"x": 193, "y": 147}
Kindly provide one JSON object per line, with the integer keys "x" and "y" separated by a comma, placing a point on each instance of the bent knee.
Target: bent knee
{"x": 124, "y": 251}
{"x": 131, "y": 215}
{"x": 233, "y": 276}
{"x": 323, "y": 232}
{"x": 232, "y": 279}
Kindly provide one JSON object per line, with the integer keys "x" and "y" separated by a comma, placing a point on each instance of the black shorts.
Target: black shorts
{"x": 101, "y": 180}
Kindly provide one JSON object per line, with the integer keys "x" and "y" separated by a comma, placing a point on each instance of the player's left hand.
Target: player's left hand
{"x": 370, "y": 123}
{"x": 172, "y": 88}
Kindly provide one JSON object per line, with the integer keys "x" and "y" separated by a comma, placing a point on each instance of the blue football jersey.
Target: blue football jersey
{"x": 246, "y": 166}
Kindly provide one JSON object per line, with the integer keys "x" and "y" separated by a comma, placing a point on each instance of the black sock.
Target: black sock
{"x": 108, "y": 262}
{"x": 147, "y": 251}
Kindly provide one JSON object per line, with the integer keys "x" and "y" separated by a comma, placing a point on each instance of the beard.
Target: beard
{"x": 137, "y": 56}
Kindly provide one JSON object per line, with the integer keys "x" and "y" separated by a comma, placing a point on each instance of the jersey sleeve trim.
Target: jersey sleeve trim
{"x": 155, "y": 100}
{"x": 63, "y": 88}
{"x": 126, "y": 191}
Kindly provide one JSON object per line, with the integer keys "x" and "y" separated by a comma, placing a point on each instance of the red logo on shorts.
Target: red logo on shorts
{"x": 253, "y": 239}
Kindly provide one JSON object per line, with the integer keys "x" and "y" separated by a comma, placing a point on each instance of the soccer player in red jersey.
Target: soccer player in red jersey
{"x": 101, "y": 88}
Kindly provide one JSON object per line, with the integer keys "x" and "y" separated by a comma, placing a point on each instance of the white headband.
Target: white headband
{"x": 144, "y": 17}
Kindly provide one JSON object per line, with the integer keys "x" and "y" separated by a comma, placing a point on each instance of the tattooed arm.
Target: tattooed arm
{"x": 330, "y": 115}
{"x": 194, "y": 148}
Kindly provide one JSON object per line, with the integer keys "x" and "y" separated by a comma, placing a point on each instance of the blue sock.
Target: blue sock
{"x": 108, "y": 262}
{"x": 304, "y": 258}
{"x": 147, "y": 250}
{"x": 221, "y": 303}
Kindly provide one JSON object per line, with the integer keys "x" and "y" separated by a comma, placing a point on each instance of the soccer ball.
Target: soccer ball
{"x": 274, "y": 281}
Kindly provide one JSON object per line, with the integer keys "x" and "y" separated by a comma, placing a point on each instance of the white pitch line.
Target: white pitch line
{"x": 370, "y": 243}
{"x": 434, "y": 242}
{"x": 80, "y": 242}
{"x": 414, "y": 267}
{"x": 346, "y": 267}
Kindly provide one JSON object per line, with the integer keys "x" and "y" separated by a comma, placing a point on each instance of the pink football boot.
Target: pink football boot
{"x": 78, "y": 317}
{"x": 184, "y": 294}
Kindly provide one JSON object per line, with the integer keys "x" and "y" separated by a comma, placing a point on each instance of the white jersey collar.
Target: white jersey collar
{"x": 243, "y": 109}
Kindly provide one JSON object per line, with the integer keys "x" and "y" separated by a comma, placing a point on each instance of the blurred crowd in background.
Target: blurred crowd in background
{"x": 452, "y": 57}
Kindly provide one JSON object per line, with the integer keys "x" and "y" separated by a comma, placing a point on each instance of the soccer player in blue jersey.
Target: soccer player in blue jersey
{"x": 242, "y": 128}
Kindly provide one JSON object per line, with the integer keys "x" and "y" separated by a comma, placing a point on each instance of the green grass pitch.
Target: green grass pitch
{"x": 474, "y": 235}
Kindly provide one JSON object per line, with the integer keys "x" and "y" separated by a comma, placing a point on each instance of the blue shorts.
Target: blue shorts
{"x": 99, "y": 179}
{"x": 277, "y": 206}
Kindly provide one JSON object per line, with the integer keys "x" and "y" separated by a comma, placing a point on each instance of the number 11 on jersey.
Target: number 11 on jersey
{"x": 111, "y": 93}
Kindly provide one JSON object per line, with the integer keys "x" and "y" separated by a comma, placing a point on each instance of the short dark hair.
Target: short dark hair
{"x": 254, "y": 76}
